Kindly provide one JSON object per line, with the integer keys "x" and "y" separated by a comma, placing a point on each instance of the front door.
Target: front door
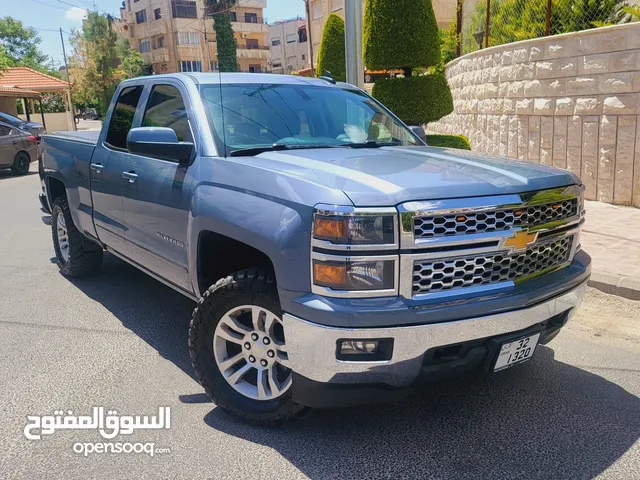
{"x": 158, "y": 192}
{"x": 107, "y": 164}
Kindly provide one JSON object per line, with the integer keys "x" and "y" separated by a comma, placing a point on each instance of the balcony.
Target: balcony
{"x": 253, "y": 51}
{"x": 250, "y": 27}
{"x": 209, "y": 6}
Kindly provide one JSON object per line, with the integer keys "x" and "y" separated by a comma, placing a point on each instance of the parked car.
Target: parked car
{"x": 90, "y": 114}
{"x": 17, "y": 149}
{"x": 34, "y": 128}
{"x": 334, "y": 257}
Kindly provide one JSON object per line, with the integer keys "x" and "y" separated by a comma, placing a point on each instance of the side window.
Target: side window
{"x": 4, "y": 131}
{"x": 165, "y": 108}
{"x": 122, "y": 117}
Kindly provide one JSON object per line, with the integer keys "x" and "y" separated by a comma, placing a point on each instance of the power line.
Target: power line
{"x": 49, "y": 5}
{"x": 71, "y": 4}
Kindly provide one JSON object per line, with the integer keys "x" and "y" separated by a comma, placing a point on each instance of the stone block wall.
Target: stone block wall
{"x": 571, "y": 101}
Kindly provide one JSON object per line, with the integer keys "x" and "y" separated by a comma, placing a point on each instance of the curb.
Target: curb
{"x": 620, "y": 285}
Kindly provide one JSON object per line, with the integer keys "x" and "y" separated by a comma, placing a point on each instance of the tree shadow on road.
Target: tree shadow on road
{"x": 157, "y": 314}
{"x": 544, "y": 419}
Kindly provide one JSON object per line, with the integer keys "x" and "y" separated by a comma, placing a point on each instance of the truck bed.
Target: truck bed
{"x": 86, "y": 136}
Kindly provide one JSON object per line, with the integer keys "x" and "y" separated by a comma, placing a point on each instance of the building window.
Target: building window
{"x": 160, "y": 42}
{"x": 303, "y": 57}
{"x": 190, "y": 66}
{"x": 233, "y": 16}
{"x": 302, "y": 35}
{"x": 187, "y": 38}
{"x": 277, "y": 64}
{"x": 252, "y": 43}
{"x": 141, "y": 16}
{"x": 251, "y": 17}
{"x": 255, "y": 68}
{"x": 292, "y": 38}
{"x": 275, "y": 42}
{"x": 145, "y": 45}
{"x": 157, "y": 13}
{"x": 183, "y": 9}
{"x": 213, "y": 66}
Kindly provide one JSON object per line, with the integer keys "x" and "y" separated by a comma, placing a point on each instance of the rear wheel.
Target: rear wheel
{"x": 77, "y": 256}
{"x": 21, "y": 163}
{"x": 239, "y": 352}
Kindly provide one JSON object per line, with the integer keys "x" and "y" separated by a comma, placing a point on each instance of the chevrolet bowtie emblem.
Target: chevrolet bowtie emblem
{"x": 520, "y": 240}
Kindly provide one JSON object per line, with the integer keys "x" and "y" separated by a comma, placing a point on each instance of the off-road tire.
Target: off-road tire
{"x": 85, "y": 257}
{"x": 21, "y": 163}
{"x": 246, "y": 287}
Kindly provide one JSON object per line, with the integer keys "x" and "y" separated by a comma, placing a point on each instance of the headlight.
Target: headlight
{"x": 354, "y": 274}
{"x": 351, "y": 226}
{"x": 341, "y": 239}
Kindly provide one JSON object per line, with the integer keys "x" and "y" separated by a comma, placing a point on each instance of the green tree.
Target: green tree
{"x": 131, "y": 63}
{"x": 5, "y": 61}
{"x": 93, "y": 62}
{"x": 331, "y": 55}
{"x": 404, "y": 34}
{"x": 227, "y": 55}
{"x": 20, "y": 45}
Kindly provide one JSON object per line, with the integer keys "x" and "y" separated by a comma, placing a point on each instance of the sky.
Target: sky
{"x": 48, "y": 16}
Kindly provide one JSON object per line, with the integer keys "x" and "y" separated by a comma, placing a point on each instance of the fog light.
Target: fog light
{"x": 356, "y": 347}
{"x": 367, "y": 350}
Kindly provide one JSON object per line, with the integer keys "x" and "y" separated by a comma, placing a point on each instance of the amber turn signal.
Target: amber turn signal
{"x": 329, "y": 274}
{"x": 330, "y": 228}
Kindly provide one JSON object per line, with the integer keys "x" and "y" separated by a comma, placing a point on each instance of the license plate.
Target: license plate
{"x": 516, "y": 352}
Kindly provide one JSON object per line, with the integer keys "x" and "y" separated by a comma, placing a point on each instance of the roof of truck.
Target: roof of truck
{"x": 249, "y": 78}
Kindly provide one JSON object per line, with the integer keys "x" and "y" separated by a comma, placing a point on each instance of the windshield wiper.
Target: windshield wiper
{"x": 372, "y": 144}
{"x": 249, "y": 152}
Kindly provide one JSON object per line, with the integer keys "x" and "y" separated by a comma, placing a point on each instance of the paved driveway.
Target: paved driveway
{"x": 119, "y": 340}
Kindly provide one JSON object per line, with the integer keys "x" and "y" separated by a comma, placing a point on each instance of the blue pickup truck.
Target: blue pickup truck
{"x": 335, "y": 258}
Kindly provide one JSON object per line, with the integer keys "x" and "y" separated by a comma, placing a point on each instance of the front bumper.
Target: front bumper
{"x": 312, "y": 348}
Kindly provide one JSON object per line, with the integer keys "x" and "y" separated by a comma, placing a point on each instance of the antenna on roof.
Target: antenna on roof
{"x": 327, "y": 77}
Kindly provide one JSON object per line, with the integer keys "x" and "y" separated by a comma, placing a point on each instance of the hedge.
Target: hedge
{"x": 416, "y": 100}
{"x": 331, "y": 55}
{"x": 400, "y": 33}
{"x": 450, "y": 141}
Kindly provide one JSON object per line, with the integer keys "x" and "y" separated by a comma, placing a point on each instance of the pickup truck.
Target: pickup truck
{"x": 335, "y": 258}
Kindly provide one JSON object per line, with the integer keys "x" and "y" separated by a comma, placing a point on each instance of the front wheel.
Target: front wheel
{"x": 77, "y": 256}
{"x": 239, "y": 352}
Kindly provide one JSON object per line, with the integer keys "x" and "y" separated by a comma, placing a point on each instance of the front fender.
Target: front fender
{"x": 278, "y": 228}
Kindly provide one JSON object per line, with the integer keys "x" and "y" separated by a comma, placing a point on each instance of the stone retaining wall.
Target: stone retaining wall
{"x": 572, "y": 101}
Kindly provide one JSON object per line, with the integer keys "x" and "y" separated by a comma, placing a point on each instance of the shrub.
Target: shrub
{"x": 416, "y": 100}
{"x": 331, "y": 55}
{"x": 400, "y": 33}
{"x": 450, "y": 141}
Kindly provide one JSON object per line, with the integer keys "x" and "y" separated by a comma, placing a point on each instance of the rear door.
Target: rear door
{"x": 7, "y": 147}
{"x": 157, "y": 199}
{"x": 107, "y": 164}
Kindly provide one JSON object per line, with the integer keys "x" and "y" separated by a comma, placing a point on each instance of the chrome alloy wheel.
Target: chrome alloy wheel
{"x": 63, "y": 237}
{"x": 250, "y": 352}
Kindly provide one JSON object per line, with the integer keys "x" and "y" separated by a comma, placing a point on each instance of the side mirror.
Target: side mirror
{"x": 419, "y": 132}
{"x": 159, "y": 142}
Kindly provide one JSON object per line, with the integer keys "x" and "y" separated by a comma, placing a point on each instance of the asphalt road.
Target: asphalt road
{"x": 118, "y": 340}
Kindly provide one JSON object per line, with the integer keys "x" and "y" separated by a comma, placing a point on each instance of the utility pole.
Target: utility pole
{"x": 353, "y": 42}
{"x": 309, "y": 39}
{"x": 206, "y": 45}
{"x": 66, "y": 68}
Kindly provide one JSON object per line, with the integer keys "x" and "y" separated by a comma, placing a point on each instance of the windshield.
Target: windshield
{"x": 15, "y": 121}
{"x": 264, "y": 115}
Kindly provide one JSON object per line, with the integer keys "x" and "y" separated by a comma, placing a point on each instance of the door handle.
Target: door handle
{"x": 131, "y": 176}
{"x": 97, "y": 167}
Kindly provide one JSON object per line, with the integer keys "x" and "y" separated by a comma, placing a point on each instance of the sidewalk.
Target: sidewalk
{"x": 611, "y": 236}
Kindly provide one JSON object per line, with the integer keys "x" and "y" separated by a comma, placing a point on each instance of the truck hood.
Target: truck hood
{"x": 392, "y": 175}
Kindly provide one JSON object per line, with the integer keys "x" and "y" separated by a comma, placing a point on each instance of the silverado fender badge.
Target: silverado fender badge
{"x": 170, "y": 240}
{"x": 520, "y": 240}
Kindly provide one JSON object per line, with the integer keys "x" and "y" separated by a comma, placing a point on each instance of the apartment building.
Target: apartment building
{"x": 319, "y": 11}
{"x": 289, "y": 45}
{"x": 170, "y": 34}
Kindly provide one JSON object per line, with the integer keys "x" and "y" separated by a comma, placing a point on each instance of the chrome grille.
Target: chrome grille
{"x": 493, "y": 220}
{"x": 439, "y": 275}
